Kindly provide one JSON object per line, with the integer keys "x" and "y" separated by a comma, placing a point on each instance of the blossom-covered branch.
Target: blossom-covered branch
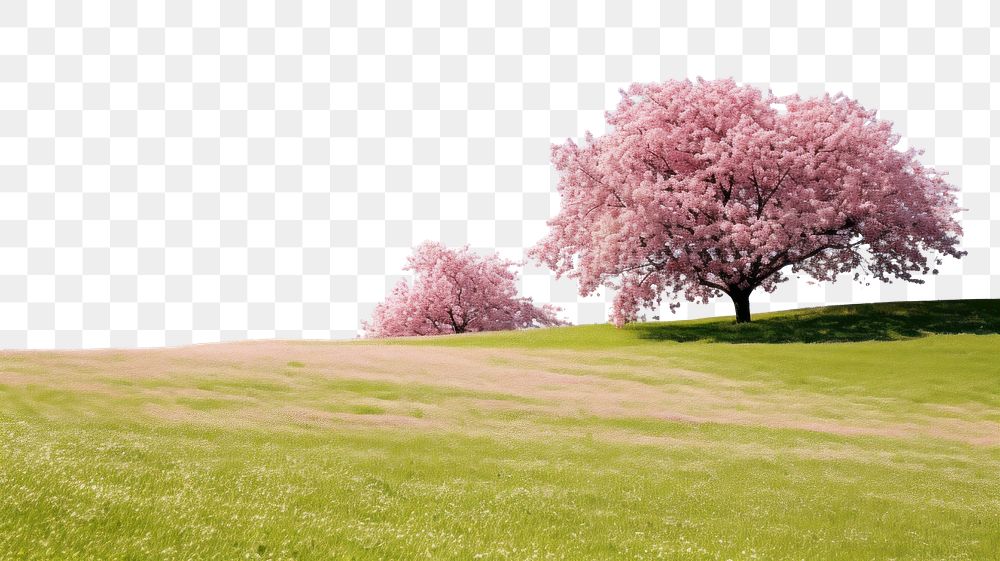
{"x": 708, "y": 187}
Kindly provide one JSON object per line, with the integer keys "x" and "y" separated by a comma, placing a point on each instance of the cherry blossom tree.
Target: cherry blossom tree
{"x": 708, "y": 188}
{"x": 456, "y": 291}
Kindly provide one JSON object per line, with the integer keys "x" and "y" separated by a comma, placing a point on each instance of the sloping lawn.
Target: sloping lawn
{"x": 817, "y": 441}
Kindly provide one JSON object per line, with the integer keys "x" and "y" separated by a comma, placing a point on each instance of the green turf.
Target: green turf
{"x": 115, "y": 491}
{"x": 90, "y": 469}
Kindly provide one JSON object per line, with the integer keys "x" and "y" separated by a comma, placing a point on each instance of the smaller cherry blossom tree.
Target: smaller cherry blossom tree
{"x": 456, "y": 291}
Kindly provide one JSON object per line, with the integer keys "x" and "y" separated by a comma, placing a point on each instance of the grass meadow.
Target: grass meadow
{"x": 861, "y": 432}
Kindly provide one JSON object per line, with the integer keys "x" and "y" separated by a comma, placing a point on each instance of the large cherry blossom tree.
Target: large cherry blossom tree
{"x": 708, "y": 188}
{"x": 456, "y": 291}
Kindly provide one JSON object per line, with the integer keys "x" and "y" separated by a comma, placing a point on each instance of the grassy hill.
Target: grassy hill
{"x": 891, "y": 321}
{"x": 855, "y": 432}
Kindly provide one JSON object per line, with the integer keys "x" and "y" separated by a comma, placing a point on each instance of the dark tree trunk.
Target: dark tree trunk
{"x": 741, "y": 301}
{"x": 458, "y": 327}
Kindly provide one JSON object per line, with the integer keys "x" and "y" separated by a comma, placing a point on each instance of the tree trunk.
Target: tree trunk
{"x": 741, "y": 301}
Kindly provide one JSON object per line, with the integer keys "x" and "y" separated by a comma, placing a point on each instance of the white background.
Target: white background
{"x": 177, "y": 172}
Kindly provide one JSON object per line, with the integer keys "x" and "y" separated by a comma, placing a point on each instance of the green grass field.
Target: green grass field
{"x": 860, "y": 432}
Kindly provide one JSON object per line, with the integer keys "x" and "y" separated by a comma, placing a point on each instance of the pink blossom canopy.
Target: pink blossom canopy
{"x": 456, "y": 291}
{"x": 703, "y": 188}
